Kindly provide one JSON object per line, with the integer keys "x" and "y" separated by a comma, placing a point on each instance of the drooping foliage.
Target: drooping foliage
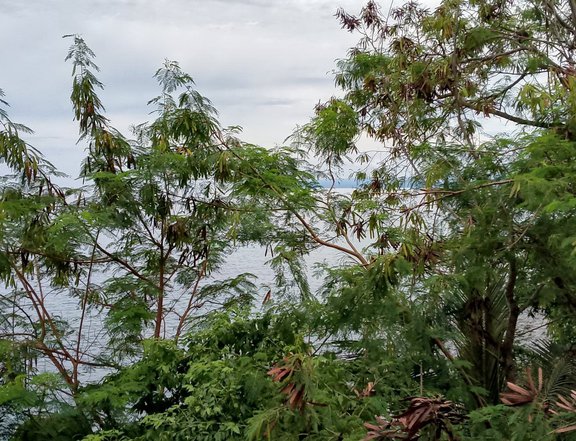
{"x": 450, "y": 316}
{"x": 130, "y": 251}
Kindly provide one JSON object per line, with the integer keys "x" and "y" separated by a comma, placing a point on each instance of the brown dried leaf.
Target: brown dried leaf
{"x": 540, "y": 379}
{"x": 288, "y": 388}
{"x": 518, "y": 389}
{"x": 565, "y": 429}
{"x": 267, "y": 297}
{"x": 514, "y": 399}
{"x": 531, "y": 386}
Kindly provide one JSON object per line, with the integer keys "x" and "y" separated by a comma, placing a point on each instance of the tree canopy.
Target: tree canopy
{"x": 451, "y": 318}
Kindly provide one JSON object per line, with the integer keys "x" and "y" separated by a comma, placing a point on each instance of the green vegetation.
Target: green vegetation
{"x": 421, "y": 334}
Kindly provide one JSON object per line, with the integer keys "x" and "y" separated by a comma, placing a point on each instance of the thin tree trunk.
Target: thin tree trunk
{"x": 160, "y": 303}
{"x": 507, "y": 355}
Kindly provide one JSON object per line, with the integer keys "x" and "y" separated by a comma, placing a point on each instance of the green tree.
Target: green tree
{"x": 134, "y": 247}
{"x": 483, "y": 221}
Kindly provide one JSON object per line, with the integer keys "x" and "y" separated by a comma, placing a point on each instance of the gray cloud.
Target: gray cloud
{"x": 264, "y": 63}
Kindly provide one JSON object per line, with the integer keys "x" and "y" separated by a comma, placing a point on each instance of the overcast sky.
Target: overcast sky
{"x": 263, "y": 63}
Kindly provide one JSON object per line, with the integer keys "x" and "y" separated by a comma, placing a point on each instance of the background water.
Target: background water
{"x": 251, "y": 259}
{"x": 248, "y": 259}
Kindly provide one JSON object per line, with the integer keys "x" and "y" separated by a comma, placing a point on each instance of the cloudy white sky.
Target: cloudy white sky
{"x": 263, "y": 63}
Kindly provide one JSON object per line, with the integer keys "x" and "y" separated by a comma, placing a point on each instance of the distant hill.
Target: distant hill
{"x": 341, "y": 183}
{"x": 353, "y": 183}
